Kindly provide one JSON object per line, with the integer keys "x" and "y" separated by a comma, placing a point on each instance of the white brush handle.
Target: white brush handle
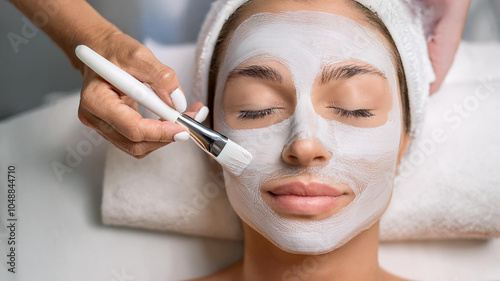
{"x": 126, "y": 83}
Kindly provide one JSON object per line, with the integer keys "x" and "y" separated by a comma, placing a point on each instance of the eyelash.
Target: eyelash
{"x": 256, "y": 114}
{"x": 363, "y": 113}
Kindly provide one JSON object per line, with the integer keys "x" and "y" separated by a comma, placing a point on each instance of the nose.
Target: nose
{"x": 306, "y": 152}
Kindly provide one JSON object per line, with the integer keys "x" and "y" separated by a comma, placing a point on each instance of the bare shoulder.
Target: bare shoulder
{"x": 229, "y": 273}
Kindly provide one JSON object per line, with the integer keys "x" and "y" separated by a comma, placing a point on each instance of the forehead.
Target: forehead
{"x": 323, "y": 34}
{"x": 305, "y": 41}
{"x": 346, "y": 8}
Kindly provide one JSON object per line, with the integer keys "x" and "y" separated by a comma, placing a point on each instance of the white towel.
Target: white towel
{"x": 449, "y": 185}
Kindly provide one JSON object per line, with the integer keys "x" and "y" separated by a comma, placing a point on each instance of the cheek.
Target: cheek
{"x": 266, "y": 145}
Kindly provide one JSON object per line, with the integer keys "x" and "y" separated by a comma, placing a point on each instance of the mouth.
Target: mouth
{"x": 303, "y": 198}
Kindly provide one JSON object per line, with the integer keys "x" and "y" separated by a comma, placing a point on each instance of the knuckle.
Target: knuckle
{"x": 81, "y": 116}
{"x": 106, "y": 128}
{"x": 134, "y": 135}
{"x": 166, "y": 74}
{"x": 88, "y": 97}
{"x": 139, "y": 53}
{"x": 141, "y": 156}
{"x": 84, "y": 99}
{"x": 84, "y": 94}
{"x": 136, "y": 149}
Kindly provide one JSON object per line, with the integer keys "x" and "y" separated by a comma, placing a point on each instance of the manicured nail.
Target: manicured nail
{"x": 179, "y": 100}
{"x": 181, "y": 137}
{"x": 202, "y": 114}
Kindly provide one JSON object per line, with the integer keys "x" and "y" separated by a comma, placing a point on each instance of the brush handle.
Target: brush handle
{"x": 126, "y": 83}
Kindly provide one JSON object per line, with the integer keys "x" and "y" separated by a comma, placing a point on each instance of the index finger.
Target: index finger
{"x": 130, "y": 123}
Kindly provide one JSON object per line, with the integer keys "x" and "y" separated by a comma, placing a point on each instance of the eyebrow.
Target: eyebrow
{"x": 347, "y": 71}
{"x": 257, "y": 71}
{"x": 329, "y": 73}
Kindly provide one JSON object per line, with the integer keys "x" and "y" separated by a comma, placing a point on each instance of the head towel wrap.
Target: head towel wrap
{"x": 403, "y": 19}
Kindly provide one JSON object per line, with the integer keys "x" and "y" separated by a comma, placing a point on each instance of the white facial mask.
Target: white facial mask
{"x": 363, "y": 158}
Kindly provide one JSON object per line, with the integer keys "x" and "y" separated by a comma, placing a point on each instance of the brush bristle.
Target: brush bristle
{"x": 234, "y": 158}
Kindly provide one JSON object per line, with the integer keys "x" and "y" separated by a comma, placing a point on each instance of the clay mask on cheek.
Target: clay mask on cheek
{"x": 362, "y": 158}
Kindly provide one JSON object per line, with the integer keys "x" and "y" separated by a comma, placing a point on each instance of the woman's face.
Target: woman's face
{"x": 313, "y": 95}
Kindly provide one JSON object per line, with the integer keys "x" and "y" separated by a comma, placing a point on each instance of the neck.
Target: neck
{"x": 356, "y": 260}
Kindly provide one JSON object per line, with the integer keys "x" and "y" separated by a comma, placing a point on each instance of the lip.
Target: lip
{"x": 304, "y": 198}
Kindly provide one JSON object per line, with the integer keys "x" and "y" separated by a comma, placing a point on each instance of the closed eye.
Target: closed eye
{"x": 255, "y": 114}
{"x": 358, "y": 113}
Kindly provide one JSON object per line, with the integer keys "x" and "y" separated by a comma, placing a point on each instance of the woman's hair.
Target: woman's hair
{"x": 371, "y": 18}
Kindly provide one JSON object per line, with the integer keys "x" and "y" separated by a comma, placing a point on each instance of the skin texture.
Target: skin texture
{"x": 357, "y": 259}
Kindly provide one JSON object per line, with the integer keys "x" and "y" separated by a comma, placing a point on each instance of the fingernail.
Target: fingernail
{"x": 202, "y": 114}
{"x": 181, "y": 137}
{"x": 179, "y": 100}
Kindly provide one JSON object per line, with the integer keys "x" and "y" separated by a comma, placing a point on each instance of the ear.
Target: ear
{"x": 405, "y": 141}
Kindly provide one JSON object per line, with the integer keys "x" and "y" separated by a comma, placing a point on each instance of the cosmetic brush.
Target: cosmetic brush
{"x": 229, "y": 154}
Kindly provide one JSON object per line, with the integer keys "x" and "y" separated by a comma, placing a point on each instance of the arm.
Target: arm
{"x": 67, "y": 22}
{"x": 443, "y": 44}
{"x": 113, "y": 115}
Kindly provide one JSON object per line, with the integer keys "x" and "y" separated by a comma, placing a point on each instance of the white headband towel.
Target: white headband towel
{"x": 402, "y": 19}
